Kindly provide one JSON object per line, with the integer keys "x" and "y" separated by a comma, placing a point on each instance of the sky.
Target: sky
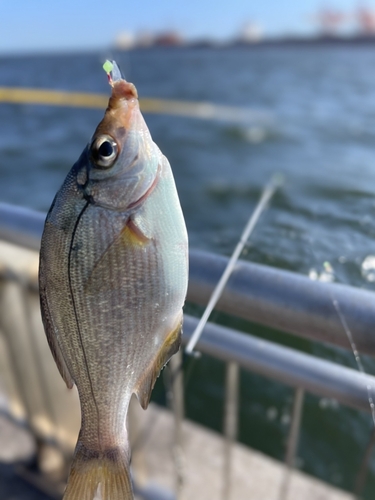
{"x": 49, "y": 25}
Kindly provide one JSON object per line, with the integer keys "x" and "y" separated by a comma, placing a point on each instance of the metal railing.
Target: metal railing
{"x": 280, "y": 299}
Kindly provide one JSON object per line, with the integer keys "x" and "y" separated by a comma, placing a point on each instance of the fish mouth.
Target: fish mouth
{"x": 123, "y": 90}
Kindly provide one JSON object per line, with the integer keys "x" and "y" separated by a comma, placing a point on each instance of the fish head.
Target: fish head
{"x": 120, "y": 164}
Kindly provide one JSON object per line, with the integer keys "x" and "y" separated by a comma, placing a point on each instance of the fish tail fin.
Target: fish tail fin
{"x": 99, "y": 475}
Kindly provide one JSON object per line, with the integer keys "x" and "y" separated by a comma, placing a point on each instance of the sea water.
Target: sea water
{"x": 317, "y": 128}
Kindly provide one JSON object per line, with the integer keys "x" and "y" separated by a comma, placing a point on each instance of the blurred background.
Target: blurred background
{"x": 302, "y": 77}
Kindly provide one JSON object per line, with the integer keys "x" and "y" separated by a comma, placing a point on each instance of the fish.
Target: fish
{"x": 113, "y": 279}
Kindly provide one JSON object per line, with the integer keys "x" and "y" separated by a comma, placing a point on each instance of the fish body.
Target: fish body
{"x": 113, "y": 280}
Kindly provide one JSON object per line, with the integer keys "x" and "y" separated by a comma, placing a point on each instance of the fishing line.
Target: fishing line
{"x": 349, "y": 335}
{"x": 147, "y": 431}
{"x": 266, "y": 196}
{"x": 181, "y": 367}
{"x": 356, "y": 354}
{"x": 169, "y": 376}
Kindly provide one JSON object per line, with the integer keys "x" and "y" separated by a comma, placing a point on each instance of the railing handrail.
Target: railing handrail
{"x": 287, "y": 301}
{"x": 21, "y": 226}
{"x": 279, "y": 299}
{"x": 268, "y": 296}
{"x": 284, "y": 364}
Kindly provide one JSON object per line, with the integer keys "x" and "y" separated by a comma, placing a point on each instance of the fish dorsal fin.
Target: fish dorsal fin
{"x": 170, "y": 346}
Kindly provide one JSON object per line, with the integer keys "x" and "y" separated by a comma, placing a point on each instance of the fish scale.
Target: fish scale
{"x": 113, "y": 280}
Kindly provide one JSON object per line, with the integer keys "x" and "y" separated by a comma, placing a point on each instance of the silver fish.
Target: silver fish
{"x": 113, "y": 280}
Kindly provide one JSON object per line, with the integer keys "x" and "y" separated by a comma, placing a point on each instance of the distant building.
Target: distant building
{"x": 251, "y": 33}
{"x": 330, "y": 21}
{"x": 145, "y": 39}
{"x": 124, "y": 41}
{"x": 366, "y": 21}
{"x": 168, "y": 39}
{"x": 333, "y": 23}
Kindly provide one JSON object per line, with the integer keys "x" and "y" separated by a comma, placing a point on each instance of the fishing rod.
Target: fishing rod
{"x": 188, "y": 109}
{"x": 266, "y": 196}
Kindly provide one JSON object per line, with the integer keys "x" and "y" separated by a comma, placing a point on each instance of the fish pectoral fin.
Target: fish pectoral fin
{"x": 170, "y": 346}
{"x": 129, "y": 236}
{"x": 132, "y": 234}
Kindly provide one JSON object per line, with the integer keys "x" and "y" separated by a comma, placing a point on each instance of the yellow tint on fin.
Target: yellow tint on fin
{"x": 170, "y": 346}
{"x": 99, "y": 475}
{"x": 132, "y": 235}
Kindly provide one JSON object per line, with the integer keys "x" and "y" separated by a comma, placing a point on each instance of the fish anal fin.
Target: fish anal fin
{"x": 170, "y": 346}
{"x": 61, "y": 365}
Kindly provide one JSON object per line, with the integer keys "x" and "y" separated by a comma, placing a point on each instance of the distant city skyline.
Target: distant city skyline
{"x": 44, "y": 26}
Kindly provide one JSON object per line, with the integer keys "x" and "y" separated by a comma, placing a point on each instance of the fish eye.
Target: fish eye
{"x": 104, "y": 151}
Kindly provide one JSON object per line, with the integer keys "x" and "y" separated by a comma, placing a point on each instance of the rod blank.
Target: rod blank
{"x": 267, "y": 194}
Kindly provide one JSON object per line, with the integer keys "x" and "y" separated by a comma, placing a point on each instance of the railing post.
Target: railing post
{"x": 51, "y": 460}
{"x": 178, "y": 408}
{"x": 137, "y": 432}
{"x": 292, "y": 443}
{"x": 230, "y": 423}
{"x": 13, "y": 324}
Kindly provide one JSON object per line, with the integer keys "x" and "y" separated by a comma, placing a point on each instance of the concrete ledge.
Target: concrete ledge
{"x": 255, "y": 476}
